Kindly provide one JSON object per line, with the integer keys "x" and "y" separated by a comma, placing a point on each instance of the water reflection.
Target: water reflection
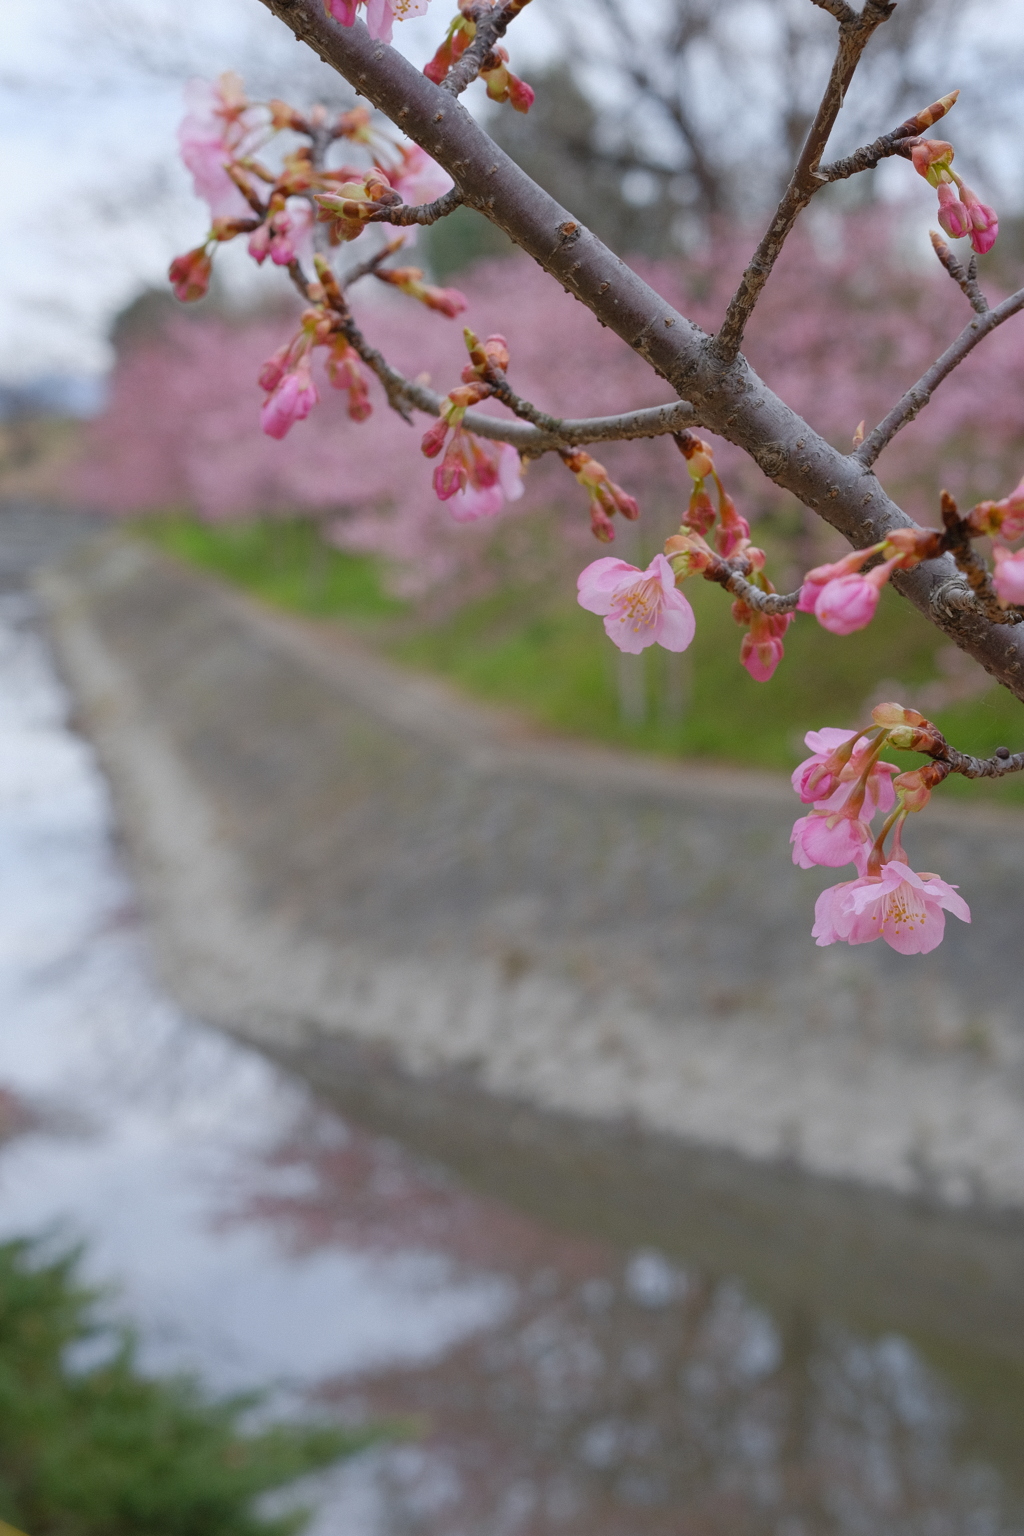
{"x": 550, "y": 1383}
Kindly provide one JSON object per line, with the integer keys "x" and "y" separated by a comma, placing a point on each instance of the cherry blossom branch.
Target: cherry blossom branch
{"x": 419, "y": 213}
{"x": 918, "y": 395}
{"x": 538, "y": 433}
{"x": 899, "y": 142}
{"x": 965, "y": 277}
{"x": 491, "y": 26}
{"x": 728, "y": 398}
{"x": 855, "y": 30}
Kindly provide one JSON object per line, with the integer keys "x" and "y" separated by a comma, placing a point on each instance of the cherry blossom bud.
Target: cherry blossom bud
{"x": 275, "y": 368}
{"x": 915, "y": 787}
{"x": 292, "y": 401}
{"x": 848, "y": 603}
{"x": 604, "y": 494}
{"x": 932, "y": 159}
{"x": 732, "y": 528}
{"x": 1005, "y": 517}
{"x": 190, "y": 274}
{"x": 343, "y": 11}
{"x": 502, "y": 84}
{"x": 345, "y": 372}
{"x": 409, "y": 280}
{"x": 953, "y": 216}
{"x": 1008, "y": 579}
{"x": 284, "y": 116}
{"x": 699, "y": 458}
{"x": 460, "y": 34}
{"x": 433, "y": 438}
{"x": 907, "y": 729}
{"x": 914, "y": 544}
{"x": 688, "y": 555}
{"x": 700, "y": 514}
{"x": 983, "y": 220}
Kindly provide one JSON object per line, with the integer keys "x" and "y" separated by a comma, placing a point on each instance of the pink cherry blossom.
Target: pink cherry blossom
{"x": 905, "y": 909}
{"x": 292, "y": 401}
{"x": 822, "y": 744}
{"x": 831, "y": 838}
{"x": 1008, "y": 578}
{"x": 830, "y": 791}
{"x": 380, "y": 14}
{"x": 219, "y": 126}
{"x": 640, "y": 608}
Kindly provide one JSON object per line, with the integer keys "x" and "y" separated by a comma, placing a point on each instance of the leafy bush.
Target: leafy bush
{"x": 103, "y": 1450}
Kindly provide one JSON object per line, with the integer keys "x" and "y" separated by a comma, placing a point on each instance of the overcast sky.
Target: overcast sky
{"x": 96, "y": 203}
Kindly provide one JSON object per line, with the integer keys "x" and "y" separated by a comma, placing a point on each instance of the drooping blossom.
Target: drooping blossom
{"x": 841, "y": 597}
{"x": 961, "y": 212}
{"x": 476, "y": 499}
{"x": 1008, "y": 578}
{"x": 219, "y": 127}
{"x": 906, "y": 909}
{"x": 291, "y": 400}
{"x": 846, "y": 783}
{"x": 380, "y": 14}
{"x": 832, "y": 839}
{"x": 640, "y": 608}
{"x": 761, "y": 648}
{"x": 831, "y": 766}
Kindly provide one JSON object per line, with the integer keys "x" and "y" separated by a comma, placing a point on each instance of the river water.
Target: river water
{"x": 548, "y": 1382}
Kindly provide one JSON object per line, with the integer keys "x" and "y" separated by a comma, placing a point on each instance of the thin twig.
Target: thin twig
{"x": 918, "y": 395}
{"x": 420, "y": 213}
{"x": 854, "y": 32}
{"x": 491, "y": 26}
{"x": 726, "y": 575}
{"x": 537, "y": 433}
{"x": 966, "y": 278}
{"x": 900, "y": 141}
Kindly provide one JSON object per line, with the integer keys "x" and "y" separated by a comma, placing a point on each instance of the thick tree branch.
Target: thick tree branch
{"x": 726, "y": 397}
{"x": 854, "y": 33}
{"x": 918, "y": 395}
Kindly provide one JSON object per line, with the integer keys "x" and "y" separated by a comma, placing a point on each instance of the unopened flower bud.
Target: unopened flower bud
{"x": 932, "y": 159}
{"x": 914, "y": 544}
{"x": 915, "y": 787}
{"x": 688, "y": 555}
{"x": 190, "y": 274}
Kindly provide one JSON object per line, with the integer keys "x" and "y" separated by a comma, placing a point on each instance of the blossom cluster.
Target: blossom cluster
{"x": 219, "y": 139}
{"x": 961, "y": 213}
{"x": 846, "y": 783}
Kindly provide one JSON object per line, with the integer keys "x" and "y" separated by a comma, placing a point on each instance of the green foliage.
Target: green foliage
{"x": 106, "y": 1451}
{"x": 284, "y": 560}
{"x": 534, "y": 648}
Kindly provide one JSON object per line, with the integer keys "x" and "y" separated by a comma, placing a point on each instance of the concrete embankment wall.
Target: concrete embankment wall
{"x": 337, "y": 852}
